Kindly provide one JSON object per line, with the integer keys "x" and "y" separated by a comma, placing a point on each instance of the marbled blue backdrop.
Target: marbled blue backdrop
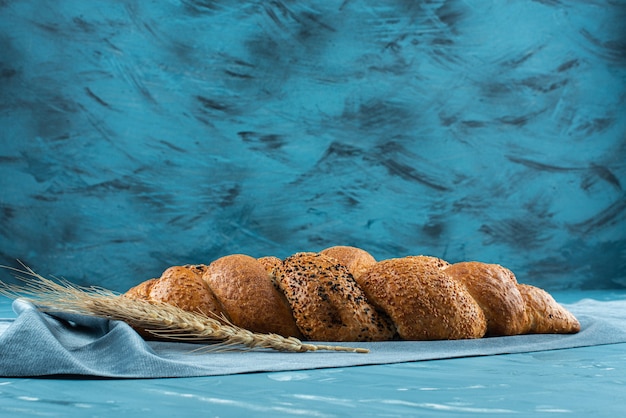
{"x": 136, "y": 135}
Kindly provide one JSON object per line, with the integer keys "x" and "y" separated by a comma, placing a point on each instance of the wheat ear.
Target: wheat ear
{"x": 161, "y": 319}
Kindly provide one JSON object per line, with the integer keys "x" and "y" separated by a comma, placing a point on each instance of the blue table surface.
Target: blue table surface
{"x": 575, "y": 382}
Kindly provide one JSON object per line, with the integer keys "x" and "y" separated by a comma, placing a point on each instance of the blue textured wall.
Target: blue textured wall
{"x": 136, "y": 135}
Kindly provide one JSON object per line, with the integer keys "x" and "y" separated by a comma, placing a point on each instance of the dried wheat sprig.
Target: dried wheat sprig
{"x": 161, "y": 319}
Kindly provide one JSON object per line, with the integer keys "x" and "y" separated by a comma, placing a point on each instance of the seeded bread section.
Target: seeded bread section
{"x": 326, "y": 301}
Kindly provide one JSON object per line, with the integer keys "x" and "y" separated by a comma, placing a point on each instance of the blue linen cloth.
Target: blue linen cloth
{"x": 40, "y": 344}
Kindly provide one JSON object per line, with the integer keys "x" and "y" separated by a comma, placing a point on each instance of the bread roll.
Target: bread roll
{"x": 545, "y": 315}
{"x": 355, "y": 259}
{"x": 180, "y": 286}
{"x": 422, "y": 300}
{"x": 327, "y": 302}
{"x": 245, "y": 290}
{"x": 141, "y": 291}
{"x": 183, "y": 287}
{"x": 495, "y": 289}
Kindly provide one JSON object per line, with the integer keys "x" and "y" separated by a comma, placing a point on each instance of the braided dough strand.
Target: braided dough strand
{"x": 327, "y": 302}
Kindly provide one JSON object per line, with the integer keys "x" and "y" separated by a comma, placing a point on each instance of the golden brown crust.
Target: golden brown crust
{"x": 422, "y": 300}
{"x": 327, "y": 302}
{"x": 545, "y": 315}
{"x": 270, "y": 262}
{"x": 495, "y": 289}
{"x": 355, "y": 259}
{"x": 199, "y": 269}
{"x": 183, "y": 287}
{"x": 271, "y": 265}
{"x": 141, "y": 291}
{"x": 429, "y": 260}
{"x": 245, "y": 289}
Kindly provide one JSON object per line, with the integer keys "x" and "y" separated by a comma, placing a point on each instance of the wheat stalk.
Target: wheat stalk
{"x": 161, "y": 319}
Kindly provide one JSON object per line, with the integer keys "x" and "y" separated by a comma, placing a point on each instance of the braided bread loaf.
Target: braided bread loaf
{"x": 343, "y": 294}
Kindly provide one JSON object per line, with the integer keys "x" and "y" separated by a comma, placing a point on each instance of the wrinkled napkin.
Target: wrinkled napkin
{"x": 41, "y": 344}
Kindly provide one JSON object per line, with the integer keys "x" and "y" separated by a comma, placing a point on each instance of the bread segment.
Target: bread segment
{"x": 327, "y": 302}
{"x": 495, "y": 289}
{"x": 422, "y": 300}
{"x": 545, "y": 315}
{"x": 245, "y": 289}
